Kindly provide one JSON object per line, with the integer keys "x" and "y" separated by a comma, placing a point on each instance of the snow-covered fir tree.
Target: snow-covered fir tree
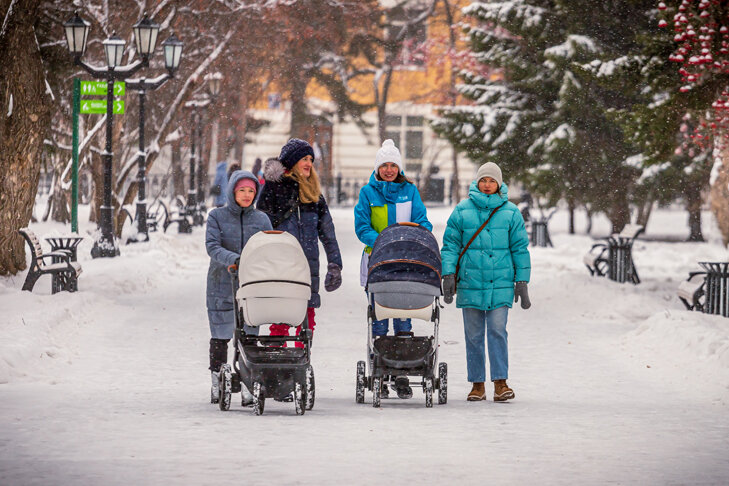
{"x": 664, "y": 120}
{"x": 539, "y": 118}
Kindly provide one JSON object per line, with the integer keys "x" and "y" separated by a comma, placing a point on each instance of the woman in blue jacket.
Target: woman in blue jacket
{"x": 228, "y": 230}
{"x": 492, "y": 273}
{"x": 388, "y": 198}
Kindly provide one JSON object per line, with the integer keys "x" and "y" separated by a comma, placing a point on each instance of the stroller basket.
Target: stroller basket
{"x": 271, "y": 355}
{"x": 396, "y": 352}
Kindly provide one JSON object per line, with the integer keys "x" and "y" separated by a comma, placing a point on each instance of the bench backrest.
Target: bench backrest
{"x": 34, "y": 244}
{"x": 631, "y": 231}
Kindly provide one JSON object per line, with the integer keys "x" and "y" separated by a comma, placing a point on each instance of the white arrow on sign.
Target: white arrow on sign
{"x": 118, "y": 88}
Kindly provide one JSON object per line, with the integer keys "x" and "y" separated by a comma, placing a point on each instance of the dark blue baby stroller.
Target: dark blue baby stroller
{"x": 403, "y": 281}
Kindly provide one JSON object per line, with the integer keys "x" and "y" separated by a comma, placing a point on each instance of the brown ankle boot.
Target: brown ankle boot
{"x": 478, "y": 392}
{"x": 502, "y": 392}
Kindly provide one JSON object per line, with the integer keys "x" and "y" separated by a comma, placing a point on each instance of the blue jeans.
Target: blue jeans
{"x": 379, "y": 328}
{"x": 477, "y": 325}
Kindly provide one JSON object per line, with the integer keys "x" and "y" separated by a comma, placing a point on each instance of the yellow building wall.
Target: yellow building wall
{"x": 428, "y": 84}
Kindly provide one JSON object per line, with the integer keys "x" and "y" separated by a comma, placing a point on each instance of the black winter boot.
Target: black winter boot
{"x": 218, "y": 353}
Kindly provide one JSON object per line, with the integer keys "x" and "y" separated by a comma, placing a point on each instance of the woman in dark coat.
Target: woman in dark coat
{"x": 228, "y": 229}
{"x": 292, "y": 199}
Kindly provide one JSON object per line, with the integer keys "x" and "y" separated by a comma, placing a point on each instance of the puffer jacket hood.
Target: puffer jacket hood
{"x": 389, "y": 190}
{"x": 230, "y": 191}
{"x": 488, "y": 201}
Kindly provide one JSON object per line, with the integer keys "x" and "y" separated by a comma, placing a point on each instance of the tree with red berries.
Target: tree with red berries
{"x": 701, "y": 50}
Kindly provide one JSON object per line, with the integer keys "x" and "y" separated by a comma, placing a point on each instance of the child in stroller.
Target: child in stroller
{"x": 403, "y": 281}
{"x": 274, "y": 286}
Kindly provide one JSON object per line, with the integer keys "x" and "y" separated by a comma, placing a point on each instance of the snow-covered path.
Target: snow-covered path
{"x": 614, "y": 383}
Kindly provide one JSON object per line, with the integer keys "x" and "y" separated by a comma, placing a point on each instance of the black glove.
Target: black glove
{"x": 215, "y": 190}
{"x": 334, "y": 277}
{"x": 449, "y": 288}
{"x": 520, "y": 290}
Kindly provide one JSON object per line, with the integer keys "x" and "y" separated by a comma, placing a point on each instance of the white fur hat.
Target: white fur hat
{"x": 489, "y": 169}
{"x": 388, "y": 153}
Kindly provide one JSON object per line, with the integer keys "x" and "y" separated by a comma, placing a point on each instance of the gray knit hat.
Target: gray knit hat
{"x": 489, "y": 169}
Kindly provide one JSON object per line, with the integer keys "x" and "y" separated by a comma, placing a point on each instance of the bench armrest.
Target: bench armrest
{"x": 64, "y": 255}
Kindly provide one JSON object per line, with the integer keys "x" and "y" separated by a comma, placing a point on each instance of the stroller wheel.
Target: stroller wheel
{"x": 225, "y": 384}
{"x": 299, "y": 399}
{"x": 376, "y": 391}
{"x": 442, "y": 383}
{"x": 258, "y": 399}
{"x": 428, "y": 389}
{"x": 360, "y": 394}
{"x": 310, "y": 388}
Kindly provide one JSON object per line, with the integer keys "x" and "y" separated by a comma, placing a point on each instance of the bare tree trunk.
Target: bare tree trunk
{"x": 571, "y": 212}
{"x": 299, "y": 113}
{"x": 588, "y": 215}
{"x": 24, "y": 115}
{"x": 619, "y": 214}
{"x": 719, "y": 192}
{"x": 455, "y": 184}
{"x": 644, "y": 212}
{"x": 693, "y": 206}
{"x": 178, "y": 175}
{"x": 60, "y": 211}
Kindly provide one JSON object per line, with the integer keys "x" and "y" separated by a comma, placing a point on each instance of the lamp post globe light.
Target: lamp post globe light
{"x": 173, "y": 52}
{"x": 77, "y": 30}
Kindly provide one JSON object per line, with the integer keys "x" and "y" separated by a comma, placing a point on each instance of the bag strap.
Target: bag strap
{"x": 458, "y": 262}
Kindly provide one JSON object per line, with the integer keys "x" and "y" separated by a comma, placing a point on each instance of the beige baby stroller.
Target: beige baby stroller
{"x": 274, "y": 287}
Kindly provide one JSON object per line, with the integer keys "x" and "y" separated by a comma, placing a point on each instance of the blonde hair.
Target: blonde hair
{"x": 309, "y": 187}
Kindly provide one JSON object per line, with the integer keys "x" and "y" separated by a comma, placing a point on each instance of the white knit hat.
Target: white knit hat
{"x": 489, "y": 169}
{"x": 388, "y": 153}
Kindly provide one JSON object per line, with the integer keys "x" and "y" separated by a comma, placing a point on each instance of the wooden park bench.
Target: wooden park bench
{"x": 64, "y": 272}
{"x": 614, "y": 257}
{"x": 707, "y": 291}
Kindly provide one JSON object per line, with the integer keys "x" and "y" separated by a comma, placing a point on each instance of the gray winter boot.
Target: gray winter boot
{"x": 215, "y": 388}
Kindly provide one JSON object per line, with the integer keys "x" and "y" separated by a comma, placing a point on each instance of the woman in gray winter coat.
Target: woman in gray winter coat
{"x": 228, "y": 229}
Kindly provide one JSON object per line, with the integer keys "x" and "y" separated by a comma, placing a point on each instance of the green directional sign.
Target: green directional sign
{"x": 98, "y": 88}
{"x": 99, "y": 107}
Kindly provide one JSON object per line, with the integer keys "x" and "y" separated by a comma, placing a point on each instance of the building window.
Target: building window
{"x": 407, "y": 129}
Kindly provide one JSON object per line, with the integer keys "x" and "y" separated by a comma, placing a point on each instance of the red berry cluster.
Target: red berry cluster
{"x": 701, "y": 32}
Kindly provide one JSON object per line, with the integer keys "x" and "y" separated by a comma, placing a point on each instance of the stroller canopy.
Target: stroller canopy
{"x": 405, "y": 253}
{"x": 274, "y": 280}
{"x": 273, "y": 257}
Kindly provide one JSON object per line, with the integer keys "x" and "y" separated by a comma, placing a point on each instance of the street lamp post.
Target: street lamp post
{"x": 195, "y": 207}
{"x": 173, "y": 50}
{"x": 77, "y": 31}
{"x": 214, "y": 81}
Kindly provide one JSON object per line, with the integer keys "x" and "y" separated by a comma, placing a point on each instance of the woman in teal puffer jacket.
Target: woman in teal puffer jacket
{"x": 492, "y": 273}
